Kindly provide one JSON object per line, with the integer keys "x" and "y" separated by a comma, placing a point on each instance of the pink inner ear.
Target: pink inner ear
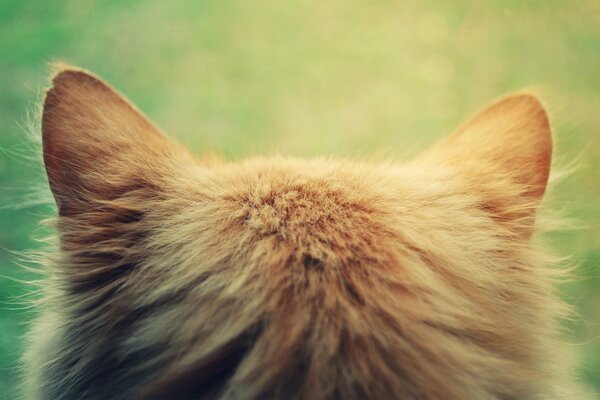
{"x": 510, "y": 137}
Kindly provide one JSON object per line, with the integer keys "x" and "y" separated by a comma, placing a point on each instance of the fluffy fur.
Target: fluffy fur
{"x": 179, "y": 277}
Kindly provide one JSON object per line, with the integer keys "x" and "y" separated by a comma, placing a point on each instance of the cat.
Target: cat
{"x": 177, "y": 277}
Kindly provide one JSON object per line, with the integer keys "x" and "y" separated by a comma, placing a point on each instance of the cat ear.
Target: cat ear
{"x": 508, "y": 143}
{"x": 97, "y": 145}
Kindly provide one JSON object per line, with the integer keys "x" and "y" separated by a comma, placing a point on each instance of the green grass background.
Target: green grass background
{"x": 345, "y": 77}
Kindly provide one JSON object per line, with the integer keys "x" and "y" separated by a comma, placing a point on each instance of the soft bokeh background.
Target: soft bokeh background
{"x": 345, "y": 77}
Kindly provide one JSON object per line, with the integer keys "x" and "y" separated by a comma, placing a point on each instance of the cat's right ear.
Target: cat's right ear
{"x": 505, "y": 151}
{"x": 97, "y": 145}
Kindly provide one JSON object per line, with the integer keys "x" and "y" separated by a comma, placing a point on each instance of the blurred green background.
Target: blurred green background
{"x": 345, "y": 77}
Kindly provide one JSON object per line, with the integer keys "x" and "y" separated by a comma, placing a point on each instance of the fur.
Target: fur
{"x": 178, "y": 277}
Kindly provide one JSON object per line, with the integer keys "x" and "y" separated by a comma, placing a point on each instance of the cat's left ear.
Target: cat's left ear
{"x": 97, "y": 145}
{"x": 505, "y": 151}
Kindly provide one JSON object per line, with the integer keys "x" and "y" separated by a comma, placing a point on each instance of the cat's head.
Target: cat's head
{"x": 284, "y": 277}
